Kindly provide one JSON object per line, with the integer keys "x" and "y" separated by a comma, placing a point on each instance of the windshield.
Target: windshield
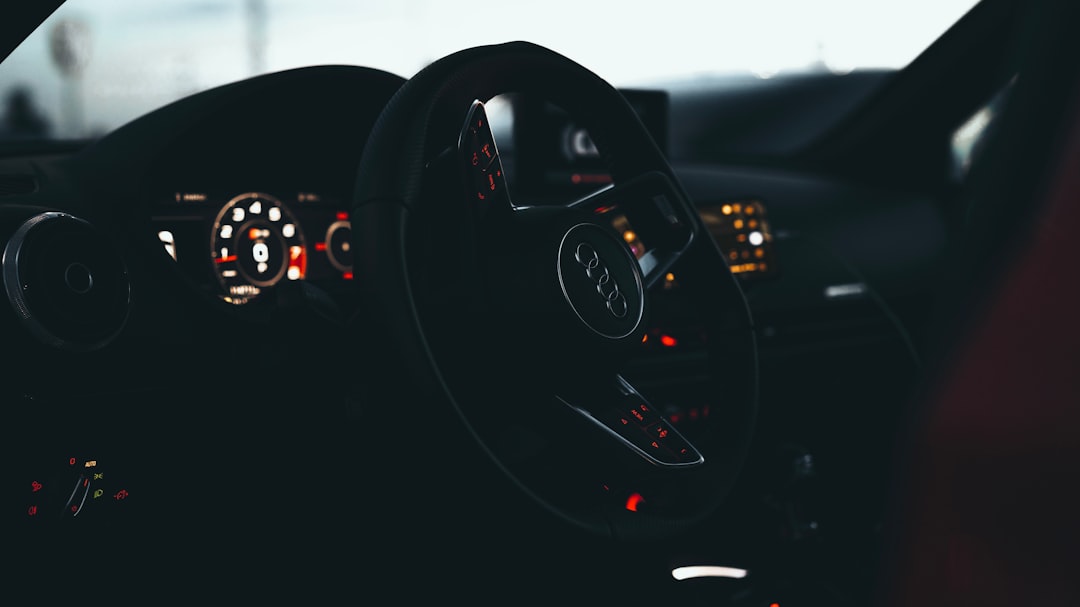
{"x": 96, "y": 64}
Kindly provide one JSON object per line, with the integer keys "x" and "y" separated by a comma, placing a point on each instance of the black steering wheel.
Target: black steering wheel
{"x": 525, "y": 319}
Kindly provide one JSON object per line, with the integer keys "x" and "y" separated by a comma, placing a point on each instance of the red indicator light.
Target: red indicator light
{"x": 119, "y": 495}
{"x": 85, "y": 482}
{"x": 347, "y": 275}
{"x": 634, "y": 501}
{"x": 637, "y": 416}
{"x": 674, "y": 417}
{"x": 655, "y": 445}
{"x": 225, "y": 259}
{"x": 480, "y": 195}
{"x": 71, "y": 462}
{"x": 491, "y": 182}
{"x": 705, "y": 411}
{"x": 475, "y": 159}
{"x": 342, "y": 216}
{"x": 668, "y": 341}
{"x": 775, "y": 605}
{"x": 694, "y": 413}
{"x": 575, "y": 178}
{"x": 320, "y": 246}
{"x": 31, "y": 511}
{"x": 35, "y": 487}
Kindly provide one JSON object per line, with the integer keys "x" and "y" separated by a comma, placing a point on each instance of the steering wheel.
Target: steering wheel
{"x": 523, "y": 319}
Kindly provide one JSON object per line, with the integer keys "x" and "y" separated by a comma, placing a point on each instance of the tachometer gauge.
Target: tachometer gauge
{"x": 256, "y": 242}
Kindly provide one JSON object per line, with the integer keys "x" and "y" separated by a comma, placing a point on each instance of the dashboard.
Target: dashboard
{"x": 237, "y": 203}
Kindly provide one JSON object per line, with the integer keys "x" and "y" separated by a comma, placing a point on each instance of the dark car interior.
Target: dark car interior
{"x": 501, "y": 333}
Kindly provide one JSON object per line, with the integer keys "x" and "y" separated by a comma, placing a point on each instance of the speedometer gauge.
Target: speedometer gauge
{"x": 256, "y": 242}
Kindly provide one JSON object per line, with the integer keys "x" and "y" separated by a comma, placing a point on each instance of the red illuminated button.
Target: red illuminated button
{"x": 659, "y": 431}
{"x": 681, "y": 449}
{"x": 622, "y": 422}
{"x": 35, "y": 487}
{"x": 642, "y": 414}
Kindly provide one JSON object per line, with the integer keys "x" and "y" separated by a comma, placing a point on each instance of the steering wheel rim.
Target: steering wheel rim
{"x": 413, "y": 142}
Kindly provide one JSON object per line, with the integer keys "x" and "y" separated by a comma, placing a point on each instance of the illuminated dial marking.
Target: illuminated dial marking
{"x": 252, "y": 250}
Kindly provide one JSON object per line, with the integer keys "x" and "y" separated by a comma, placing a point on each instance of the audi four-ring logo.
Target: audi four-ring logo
{"x": 606, "y": 285}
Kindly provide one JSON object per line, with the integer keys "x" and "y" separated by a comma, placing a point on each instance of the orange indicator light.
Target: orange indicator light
{"x": 668, "y": 341}
{"x": 634, "y": 501}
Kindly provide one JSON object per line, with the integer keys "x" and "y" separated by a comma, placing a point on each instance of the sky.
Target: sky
{"x": 141, "y": 54}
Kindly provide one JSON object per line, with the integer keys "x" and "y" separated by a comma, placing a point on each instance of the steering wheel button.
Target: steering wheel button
{"x": 660, "y": 431}
{"x": 642, "y": 415}
{"x": 681, "y": 450}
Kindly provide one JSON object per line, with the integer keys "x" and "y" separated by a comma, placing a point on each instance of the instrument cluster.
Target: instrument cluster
{"x": 241, "y": 245}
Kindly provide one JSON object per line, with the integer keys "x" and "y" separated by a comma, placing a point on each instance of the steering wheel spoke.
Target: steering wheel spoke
{"x": 625, "y": 415}
{"x": 485, "y": 180}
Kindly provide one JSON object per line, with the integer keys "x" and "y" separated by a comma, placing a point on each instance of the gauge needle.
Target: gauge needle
{"x": 225, "y": 259}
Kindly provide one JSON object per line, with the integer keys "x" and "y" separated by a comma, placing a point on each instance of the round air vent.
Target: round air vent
{"x": 66, "y": 282}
